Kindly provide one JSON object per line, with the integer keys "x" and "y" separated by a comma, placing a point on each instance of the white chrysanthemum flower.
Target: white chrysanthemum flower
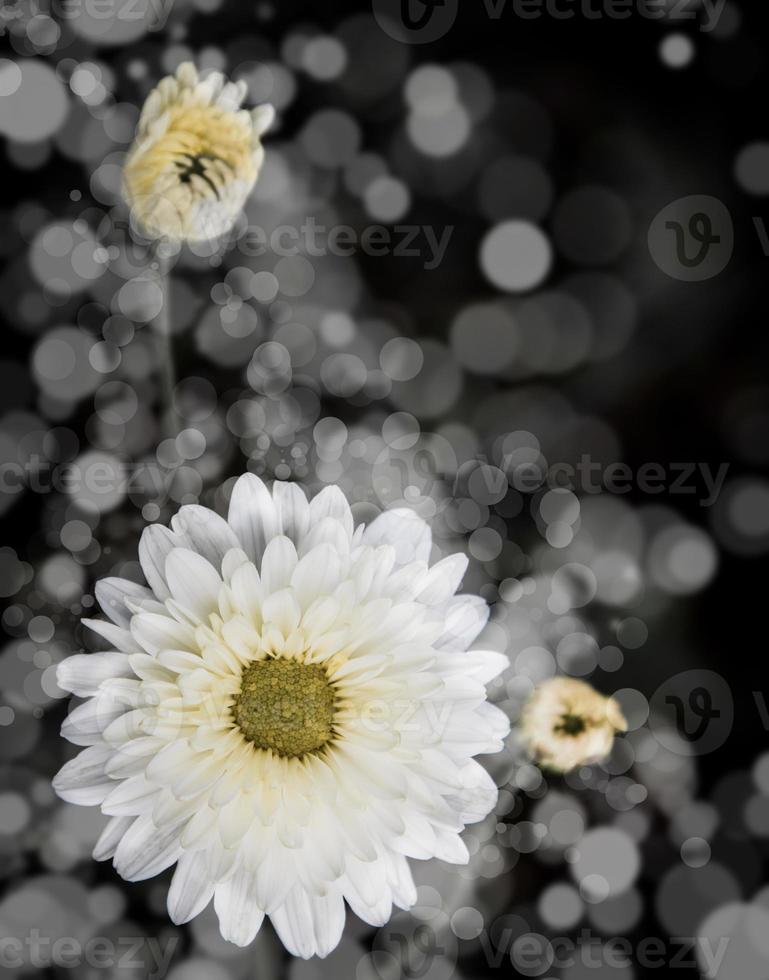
{"x": 566, "y": 723}
{"x": 287, "y": 713}
{"x": 195, "y": 158}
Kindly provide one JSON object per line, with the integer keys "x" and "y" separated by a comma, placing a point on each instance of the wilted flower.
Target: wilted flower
{"x": 195, "y": 158}
{"x": 287, "y": 713}
{"x": 566, "y": 723}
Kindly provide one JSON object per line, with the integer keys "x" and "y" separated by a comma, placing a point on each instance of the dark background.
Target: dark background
{"x": 688, "y": 384}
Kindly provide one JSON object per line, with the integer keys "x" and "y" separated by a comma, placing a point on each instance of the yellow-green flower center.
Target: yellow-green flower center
{"x": 285, "y": 706}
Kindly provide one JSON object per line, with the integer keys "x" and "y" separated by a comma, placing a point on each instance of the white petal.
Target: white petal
{"x": 384, "y": 561}
{"x": 82, "y": 779}
{"x": 207, "y": 533}
{"x": 381, "y": 775}
{"x": 402, "y": 882}
{"x": 154, "y": 633}
{"x": 309, "y": 925}
{"x": 478, "y": 796}
{"x": 376, "y": 908}
{"x": 187, "y": 74}
{"x": 451, "y": 848}
{"x": 213, "y": 83}
{"x": 85, "y": 724}
{"x": 292, "y": 509}
{"x": 130, "y": 797}
{"x": 263, "y": 117}
{"x": 207, "y": 91}
{"x": 193, "y": 582}
{"x": 82, "y": 673}
{"x": 232, "y": 562}
{"x": 130, "y": 758}
{"x": 282, "y": 611}
{"x": 111, "y": 836}
{"x": 111, "y": 594}
{"x": 366, "y": 881}
{"x": 465, "y": 617}
{"x": 327, "y": 531}
{"x": 147, "y": 668}
{"x": 487, "y": 664}
{"x": 275, "y": 876}
{"x": 198, "y": 778}
{"x": 494, "y": 719}
{"x": 172, "y": 762}
{"x": 321, "y": 616}
{"x": 117, "y": 637}
{"x": 480, "y": 665}
{"x": 235, "y": 820}
{"x": 240, "y": 917}
{"x": 407, "y": 582}
{"x": 443, "y": 580}
{"x": 198, "y": 830}
{"x": 247, "y": 591}
{"x": 278, "y": 564}
{"x": 331, "y": 502}
{"x": 317, "y": 574}
{"x": 128, "y": 725}
{"x": 179, "y": 661}
{"x": 169, "y": 812}
{"x": 232, "y": 95}
{"x": 418, "y": 840}
{"x": 145, "y": 851}
{"x": 155, "y": 545}
{"x": 191, "y": 889}
{"x": 403, "y": 529}
{"x": 152, "y": 108}
{"x": 221, "y": 862}
{"x": 252, "y": 515}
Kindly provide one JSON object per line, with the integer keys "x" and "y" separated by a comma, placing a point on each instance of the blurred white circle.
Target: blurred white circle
{"x": 35, "y": 103}
{"x": 676, "y": 50}
{"x": 516, "y": 256}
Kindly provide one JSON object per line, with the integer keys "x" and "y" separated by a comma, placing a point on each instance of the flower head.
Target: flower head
{"x": 566, "y": 723}
{"x": 287, "y": 712}
{"x": 195, "y": 158}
